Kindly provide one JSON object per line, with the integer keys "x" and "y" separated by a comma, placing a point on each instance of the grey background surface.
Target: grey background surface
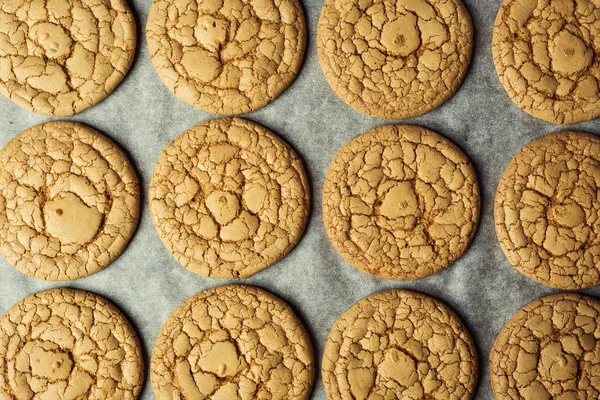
{"x": 147, "y": 284}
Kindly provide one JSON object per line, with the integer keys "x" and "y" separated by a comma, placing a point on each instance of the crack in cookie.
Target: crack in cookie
{"x": 399, "y": 344}
{"x": 546, "y": 210}
{"x": 546, "y": 57}
{"x": 69, "y": 201}
{"x": 68, "y": 344}
{"x": 60, "y": 57}
{"x": 229, "y": 198}
{"x": 232, "y": 342}
{"x": 226, "y": 56}
{"x": 549, "y": 350}
{"x": 400, "y": 202}
{"x": 394, "y": 59}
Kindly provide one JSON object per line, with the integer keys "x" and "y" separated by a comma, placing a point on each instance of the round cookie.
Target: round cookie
{"x": 229, "y": 198}
{"x": 232, "y": 342}
{"x": 400, "y": 202}
{"x": 61, "y": 57}
{"x": 226, "y": 57}
{"x": 68, "y": 344}
{"x": 550, "y": 349}
{"x": 399, "y": 344}
{"x": 394, "y": 58}
{"x": 69, "y": 201}
{"x": 546, "y": 58}
{"x": 546, "y": 210}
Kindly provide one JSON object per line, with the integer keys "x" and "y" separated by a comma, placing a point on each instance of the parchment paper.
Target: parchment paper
{"x": 147, "y": 284}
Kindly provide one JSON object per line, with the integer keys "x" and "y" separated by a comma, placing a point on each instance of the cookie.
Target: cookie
{"x": 61, "y": 57}
{"x": 232, "y": 342}
{"x": 549, "y": 350}
{"x": 69, "y": 201}
{"x": 68, "y": 344}
{"x": 229, "y": 198}
{"x": 547, "y": 59}
{"x": 546, "y": 210}
{"x": 226, "y": 57}
{"x": 394, "y": 58}
{"x": 399, "y": 344}
{"x": 400, "y": 202}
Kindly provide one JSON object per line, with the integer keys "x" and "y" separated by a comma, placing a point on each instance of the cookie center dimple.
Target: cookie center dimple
{"x": 398, "y": 366}
{"x": 221, "y": 359}
{"x": 569, "y": 215}
{"x": 54, "y": 365}
{"x": 224, "y": 206}
{"x": 211, "y": 32}
{"x": 201, "y": 64}
{"x": 53, "y": 39}
{"x": 399, "y": 201}
{"x": 401, "y": 36}
{"x": 556, "y": 364}
{"x": 569, "y": 54}
{"x": 70, "y": 220}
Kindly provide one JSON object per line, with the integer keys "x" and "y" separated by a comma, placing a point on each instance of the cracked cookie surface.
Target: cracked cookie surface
{"x": 399, "y": 344}
{"x": 549, "y": 350}
{"x": 69, "y": 201}
{"x": 68, "y": 344}
{"x": 60, "y": 57}
{"x": 226, "y": 56}
{"x": 400, "y": 202}
{"x": 546, "y": 56}
{"x": 394, "y": 59}
{"x": 232, "y": 342}
{"x": 229, "y": 198}
{"x": 546, "y": 210}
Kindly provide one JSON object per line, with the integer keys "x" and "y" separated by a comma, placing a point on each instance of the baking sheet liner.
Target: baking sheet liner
{"x": 147, "y": 284}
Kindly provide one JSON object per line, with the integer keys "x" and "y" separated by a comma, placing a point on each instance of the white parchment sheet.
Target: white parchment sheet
{"x": 147, "y": 284}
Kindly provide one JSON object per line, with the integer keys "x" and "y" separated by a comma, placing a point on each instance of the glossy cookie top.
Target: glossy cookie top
{"x": 229, "y": 198}
{"x": 394, "y": 59}
{"x": 69, "y": 198}
{"x": 226, "y": 57}
{"x": 68, "y": 344}
{"x": 546, "y": 210}
{"x": 400, "y": 202}
{"x": 231, "y": 342}
{"x": 61, "y": 57}
{"x": 546, "y": 57}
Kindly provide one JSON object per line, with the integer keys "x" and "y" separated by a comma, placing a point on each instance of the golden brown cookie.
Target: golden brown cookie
{"x": 226, "y": 57}
{"x": 232, "y": 342}
{"x": 69, "y": 201}
{"x": 229, "y": 198}
{"x": 400, "y": 202}
{"x": 399, "y": 344}
{"x": 550, "y": 349}
{"x": 60, "y": 57}
{"x": 546, "y": 56}
{"x": 68, "y": 344}
{"x": 394, "y": 58}
{"x": 546, "y": 210}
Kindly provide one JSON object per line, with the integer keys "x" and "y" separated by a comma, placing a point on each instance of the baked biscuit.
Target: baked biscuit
{"x": 546, "y": 56}
{"x": 394, "y": 58}
{"x": 229, "y": 198}
{"x": 232, "y": 342}
{"x": 400, "y": 202}
{"x": 69, "y": 201}
{"x": 68, "y": 344}
{"x": 549, "y": 350}
{"x": 399, "y": 344}
{"x": 226, "y": 57}
{"x": 60, "y": 57}
{"x": 546, "y": 210}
